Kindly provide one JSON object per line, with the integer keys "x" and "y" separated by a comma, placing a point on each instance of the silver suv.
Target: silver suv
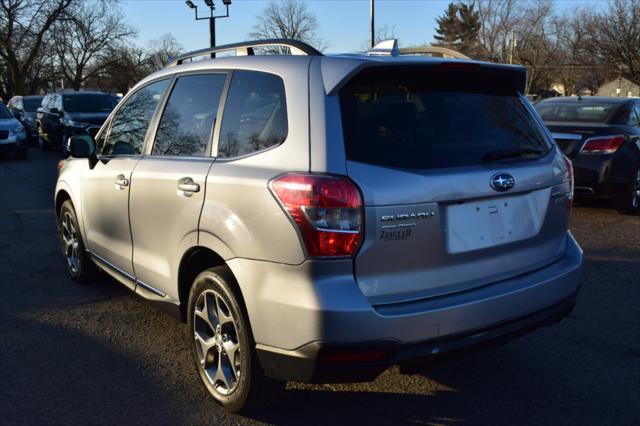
{"x": 320, "y": 218}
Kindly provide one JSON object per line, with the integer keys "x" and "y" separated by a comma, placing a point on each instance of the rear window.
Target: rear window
{"x": 88, "y": 103}
{"x": 31, "y": 104}
{"x": 556, "y": 111}
{"x": 417, "y": 118}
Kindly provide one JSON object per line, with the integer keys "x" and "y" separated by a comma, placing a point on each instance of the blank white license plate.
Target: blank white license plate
{"x": 482, "y": 224}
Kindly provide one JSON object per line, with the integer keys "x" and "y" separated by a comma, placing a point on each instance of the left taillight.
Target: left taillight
{"x": 602, "y": 145}
{"x": 61, "y": 164}
{"x": 327, "y": 211}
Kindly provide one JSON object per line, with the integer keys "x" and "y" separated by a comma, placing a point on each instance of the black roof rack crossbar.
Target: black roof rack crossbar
{"x": 246, "y": 49}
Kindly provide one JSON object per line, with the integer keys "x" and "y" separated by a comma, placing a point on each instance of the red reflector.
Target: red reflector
{"x": 603, "y": 145}
{"x": 326, "y": 209}
{"x": 345, "y": 357}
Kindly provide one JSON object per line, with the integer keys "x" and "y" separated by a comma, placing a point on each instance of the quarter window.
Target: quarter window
{"x": 188, "y": 120}
{"x": 255, "y": 115}
{"x": 131, "y": 122}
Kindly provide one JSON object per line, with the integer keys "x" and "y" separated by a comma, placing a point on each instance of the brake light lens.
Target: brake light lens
{"x": 602, "y": 145}
{"x": 326, "y": 209}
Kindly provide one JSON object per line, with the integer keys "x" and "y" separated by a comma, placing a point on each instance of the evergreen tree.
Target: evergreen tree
{"x": 447, "y": 31}
{"x": 458, "y": 28}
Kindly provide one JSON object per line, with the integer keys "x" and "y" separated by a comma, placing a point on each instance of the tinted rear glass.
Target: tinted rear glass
{"x": 89, "y": 103}
{"x": 418, "y": 118}
{"x": 31, "y": 104}
{"x": 557, "y": 111}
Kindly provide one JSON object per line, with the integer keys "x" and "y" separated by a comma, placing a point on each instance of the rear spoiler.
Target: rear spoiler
{"x": 337, "y": 72}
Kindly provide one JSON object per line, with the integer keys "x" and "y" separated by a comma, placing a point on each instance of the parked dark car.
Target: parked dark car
{"x": 12, "y": 134}
{"x": 24, "y": 109}
{"x": 63, "y": 115}
{"x": 602, "y": 137}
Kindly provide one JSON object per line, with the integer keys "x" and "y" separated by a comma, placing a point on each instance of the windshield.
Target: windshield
{"x": 574, "y": 111}
{"x": 4, "y": 112}
{"x": 88, "y": 103}
{"x": 32, "y": 104}
{"x": 421, "y": 119}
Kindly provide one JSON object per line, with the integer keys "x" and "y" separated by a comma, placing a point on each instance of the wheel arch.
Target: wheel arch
{"x": 195, "y": 260}
{"x": 62, "y": 195}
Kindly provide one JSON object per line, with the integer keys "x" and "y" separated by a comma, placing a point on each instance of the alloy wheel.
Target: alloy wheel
{"x": 216, "y": 340}
{"x": 70, "y": 242}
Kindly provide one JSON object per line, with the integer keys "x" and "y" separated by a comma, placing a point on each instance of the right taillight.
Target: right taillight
{"x": 326, "y": 209}
{"x": 602, "y": 145}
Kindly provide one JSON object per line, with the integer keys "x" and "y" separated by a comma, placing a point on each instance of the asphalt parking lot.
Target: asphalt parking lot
{"x": 97, "y": 354}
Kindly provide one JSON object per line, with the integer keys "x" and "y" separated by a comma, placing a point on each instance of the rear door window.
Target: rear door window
{"x": 255, "y": 115}
{"x": 188, "y": 120}
{"x": 418, "y": 119}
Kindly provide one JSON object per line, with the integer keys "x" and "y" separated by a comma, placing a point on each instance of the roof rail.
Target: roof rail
{"x": 246, "y": 49}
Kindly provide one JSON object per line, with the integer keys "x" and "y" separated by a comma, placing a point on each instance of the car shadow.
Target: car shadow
{"x": 54, "y": 375}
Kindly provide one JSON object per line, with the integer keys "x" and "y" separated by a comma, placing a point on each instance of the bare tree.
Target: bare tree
{"x": 532, "y": 44}
{"x": 85, "y": 36}
{"x": 618, "y": 37}
{"x": 287, "y": 19}
{"x": 123, "y": 67}
{"x": 575, "y": 65}
{"x": 162, "y": 50}
{"x": 23, "y": 25}
{"x": 498, "y": 22}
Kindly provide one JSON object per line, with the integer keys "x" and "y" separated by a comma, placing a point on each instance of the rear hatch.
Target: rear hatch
{"x": 461, "y": 186}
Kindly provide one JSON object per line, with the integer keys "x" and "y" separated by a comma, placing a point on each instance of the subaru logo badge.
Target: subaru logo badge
{"x": 502, "y": 182}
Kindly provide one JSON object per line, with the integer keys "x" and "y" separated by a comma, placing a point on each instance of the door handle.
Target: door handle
{"x": 188, "y": 185}
{"x": 121, "y": 182}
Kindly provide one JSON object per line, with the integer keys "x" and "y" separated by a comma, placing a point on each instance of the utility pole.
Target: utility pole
{"x": 373, "y": 24}
{"x": 512, "y": 46}
{"x": 212, "y": 18}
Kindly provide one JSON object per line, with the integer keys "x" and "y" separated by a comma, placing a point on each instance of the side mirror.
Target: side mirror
{"x": 82, "y": 146}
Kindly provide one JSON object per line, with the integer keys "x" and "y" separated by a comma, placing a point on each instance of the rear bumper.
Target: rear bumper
{"x": 306, "y": 317}
{"x": 330, "y": 363}
{"x": 603, "y": 175}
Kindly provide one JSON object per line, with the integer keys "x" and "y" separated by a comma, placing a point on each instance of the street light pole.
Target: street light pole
{"x": 373, "y": 25}
{"x": 212, "y": 18}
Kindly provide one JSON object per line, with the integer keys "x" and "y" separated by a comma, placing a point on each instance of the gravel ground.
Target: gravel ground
{"x": 97, "y": 354}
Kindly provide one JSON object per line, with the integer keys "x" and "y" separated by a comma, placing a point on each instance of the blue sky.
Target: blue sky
{"x": 344, "y": 24}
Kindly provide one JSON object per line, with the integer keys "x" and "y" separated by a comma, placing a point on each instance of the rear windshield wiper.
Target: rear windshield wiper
{"x": 502, "y": 154}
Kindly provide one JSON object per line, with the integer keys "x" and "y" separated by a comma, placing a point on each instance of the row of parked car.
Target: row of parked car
{"x": 52, "y": 119}
{"x": 599, "y": 134}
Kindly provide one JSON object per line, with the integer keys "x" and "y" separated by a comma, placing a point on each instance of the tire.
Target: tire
{"x": 42, "y": 143}
{"x": 629, "y": 201}
{"x": 78, "y": 263}
{"x": 224, "y": 343}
